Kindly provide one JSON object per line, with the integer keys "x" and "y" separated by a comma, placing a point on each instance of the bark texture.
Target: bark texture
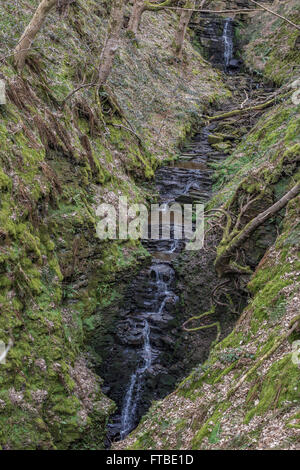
{"x": 136, "y": 15}
{"x": 138, "y": 9}
{"x": 183, "y": 24}
{"x": 112, "y": 41}
{"x": 222, "y": 263}
{"x": 27, "y": 38}
{"x": 185, "y": 18}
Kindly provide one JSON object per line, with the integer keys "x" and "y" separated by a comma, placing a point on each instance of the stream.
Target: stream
{"x": 144, "y": 337}
{"x": 186, "y": 181}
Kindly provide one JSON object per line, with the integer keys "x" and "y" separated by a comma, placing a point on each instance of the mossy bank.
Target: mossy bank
{"x": 58, "y": 163}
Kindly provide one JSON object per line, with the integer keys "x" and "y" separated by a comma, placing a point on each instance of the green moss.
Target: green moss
{"x": 281, "y": 386}
{"x": 211, "y": 428}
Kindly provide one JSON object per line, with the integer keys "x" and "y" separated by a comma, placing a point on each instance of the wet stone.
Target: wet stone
{"x": 144, "y": 359}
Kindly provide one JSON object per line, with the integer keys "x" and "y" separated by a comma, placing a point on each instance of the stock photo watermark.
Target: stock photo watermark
{"x": 4, "y": 349}
{"x": 159, "y": 222}
{"x": 296, "y": 94}
{"x": 296, "y": 352}
{"x": 2, "y": 92}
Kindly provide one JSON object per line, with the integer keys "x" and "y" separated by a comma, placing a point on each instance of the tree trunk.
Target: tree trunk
{"x": 222, "y": 262}
{"x": 138, "y": 9}
{"x": 183, "y": 24}
{"x": 31, "y": 31}
{"x": 112, "y": 40}
{"x": 136, "y": 16}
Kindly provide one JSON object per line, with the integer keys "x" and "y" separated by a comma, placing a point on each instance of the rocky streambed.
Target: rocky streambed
{"x": 147, "y": 352}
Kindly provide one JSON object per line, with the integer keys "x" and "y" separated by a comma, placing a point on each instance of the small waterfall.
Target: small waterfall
{"x": 228, "y": 41}
{"x": 146, "y": 335}
{"x": 133, "y": 393}
{"x": 160, "y": 278}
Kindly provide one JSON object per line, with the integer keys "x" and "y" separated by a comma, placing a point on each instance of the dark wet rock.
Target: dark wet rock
{"x": 209, "y": 31}
{"x": 235, "y": 64}
{"x": 152, "y": 299}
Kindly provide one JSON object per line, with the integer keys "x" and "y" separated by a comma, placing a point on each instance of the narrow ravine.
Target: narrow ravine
{"x": 147, "y": 336}
{"x": 153, "y": 308}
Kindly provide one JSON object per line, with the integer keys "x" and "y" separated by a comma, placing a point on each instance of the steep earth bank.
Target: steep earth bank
{"x": 57, "y": 164}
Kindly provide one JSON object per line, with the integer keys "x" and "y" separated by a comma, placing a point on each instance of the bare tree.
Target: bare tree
{"x": 136, "y": 15}
{"x": 27, "y": 38}
{"x": 139, "y": 7}
{"x": 185, "y": 18}
{"x": 234, "y": 238}
{"x": 112, "y": 40}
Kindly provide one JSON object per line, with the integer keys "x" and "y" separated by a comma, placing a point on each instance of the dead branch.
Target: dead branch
{"x": 129, "y": 130}
{"x": 80, "y": 87}
{"x": 234, "y": 112}
{"x": 276, "y": 14}
{"x": 245, "y": 10}
{"x": 222, "y": 260}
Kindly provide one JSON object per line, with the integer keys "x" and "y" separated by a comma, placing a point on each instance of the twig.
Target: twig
{"x": 130, "y": 130}
{"x": 276, "y": 14}
{"x": 234, "y": 112}
{"x": 246, "y": 10}
{"x": 11, "y": 54}
{"x": 85, "y": 85}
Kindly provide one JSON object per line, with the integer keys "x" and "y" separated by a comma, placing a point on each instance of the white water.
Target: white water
{"x": 133, "y": 393}
{"x": 228, "y": 41}
{"x": 147, "y": 353}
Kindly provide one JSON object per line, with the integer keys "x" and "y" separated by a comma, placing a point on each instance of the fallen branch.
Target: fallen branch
{"x": 234, "y": 112}
{"x": 245, "y": 10}
{"x": 222, "y": 261}
{"x": 276, "y": 14}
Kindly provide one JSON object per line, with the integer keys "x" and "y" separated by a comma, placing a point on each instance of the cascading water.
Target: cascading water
{"x": 133, "y": 393}
{"x": 228, "y": 41}
{"x": 161, "y": 276}
{"x": 145, "y": 345}
{"x": 145, "y": 338}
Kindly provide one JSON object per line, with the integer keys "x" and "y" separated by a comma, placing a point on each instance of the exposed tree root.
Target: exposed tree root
{"x": 203, "y": 327}
{"x": 232, "y": 241}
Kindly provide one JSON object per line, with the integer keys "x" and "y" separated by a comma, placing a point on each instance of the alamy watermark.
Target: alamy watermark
{"x": 4, "y": 350}
{"x": 159, "y": 222}
{"x": 296, "y": 94}
{"x": 2, "y": 92}
{"x": 296, "y": 352}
